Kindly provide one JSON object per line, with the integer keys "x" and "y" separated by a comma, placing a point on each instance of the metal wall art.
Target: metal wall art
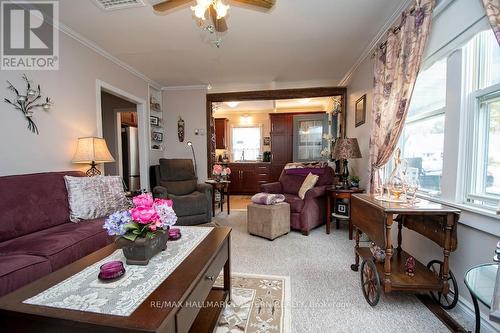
{"x": 28, "y": 102}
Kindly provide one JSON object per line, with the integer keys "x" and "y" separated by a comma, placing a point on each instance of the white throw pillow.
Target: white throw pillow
{"x": 308, "y": 183}
{"x": 95, "y": 197}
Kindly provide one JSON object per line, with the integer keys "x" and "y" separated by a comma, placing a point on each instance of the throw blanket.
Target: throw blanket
{"x": 304, "y": 165}
{"x": 267, "y": 199}
{"x": 303, "y": 169}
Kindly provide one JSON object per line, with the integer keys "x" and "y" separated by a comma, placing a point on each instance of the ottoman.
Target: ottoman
{"x": 268, "y": 221}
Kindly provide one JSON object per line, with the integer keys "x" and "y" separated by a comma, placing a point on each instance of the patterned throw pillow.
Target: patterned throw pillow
{"x": 308, "y": 183}
{"x": 95, "y": 197}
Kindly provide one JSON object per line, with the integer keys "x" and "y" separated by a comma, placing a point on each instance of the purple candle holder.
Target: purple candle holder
{"x": 174, "y": 234}
{"x": 111, "y": 271}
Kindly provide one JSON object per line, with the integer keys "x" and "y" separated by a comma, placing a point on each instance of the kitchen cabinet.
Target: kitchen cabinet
{"x": 281, "y": 143}
{"x": 221, "y": 133}
{"x": 246, "y": 178}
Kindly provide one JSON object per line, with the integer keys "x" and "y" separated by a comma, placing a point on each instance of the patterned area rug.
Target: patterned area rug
{"x": 260, "y": 304}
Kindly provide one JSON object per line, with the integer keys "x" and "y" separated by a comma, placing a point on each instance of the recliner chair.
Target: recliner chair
{"x": 176, "y": 180}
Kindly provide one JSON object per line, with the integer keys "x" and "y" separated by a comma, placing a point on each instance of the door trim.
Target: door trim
{"x": 142, "y": 124}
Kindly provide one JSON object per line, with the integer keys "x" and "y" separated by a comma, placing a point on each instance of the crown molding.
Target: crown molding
{"x": 192, "y": 87}
{"x": 96, "y": 48}
{"x": 368, "y": 50}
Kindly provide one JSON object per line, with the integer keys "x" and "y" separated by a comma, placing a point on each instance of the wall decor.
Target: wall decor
{"x": 157, "y": 136}
{"x": 360, "y": 111}
{"x": 267, "y": 141}
{"x": 155, "y": 121}
{"x": 27, "y": 103}
{"x": 180, "y": 129}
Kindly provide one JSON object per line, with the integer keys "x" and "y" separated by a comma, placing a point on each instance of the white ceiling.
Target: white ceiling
{"x": 298, "y": 40}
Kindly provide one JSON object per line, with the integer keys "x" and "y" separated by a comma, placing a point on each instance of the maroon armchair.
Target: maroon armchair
{"x": 309, "y": 213}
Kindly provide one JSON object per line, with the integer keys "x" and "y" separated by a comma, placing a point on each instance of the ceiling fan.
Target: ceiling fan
{"x": 216, "y": 9}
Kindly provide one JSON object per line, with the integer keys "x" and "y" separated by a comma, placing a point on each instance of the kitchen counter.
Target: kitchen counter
{"x": 246, "y": 177}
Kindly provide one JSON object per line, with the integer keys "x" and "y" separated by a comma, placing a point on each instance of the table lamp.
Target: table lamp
{"x": 346, "y": 148}
{"x": 92, "y": 150}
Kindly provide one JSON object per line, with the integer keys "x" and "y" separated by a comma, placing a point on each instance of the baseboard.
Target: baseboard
{"x": 466, "y": 309}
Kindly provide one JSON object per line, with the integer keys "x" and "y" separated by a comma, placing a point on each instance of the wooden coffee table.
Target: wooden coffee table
{"x": 191, "y": 284}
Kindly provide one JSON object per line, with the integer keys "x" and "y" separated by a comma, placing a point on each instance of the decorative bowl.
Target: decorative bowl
{"x": 111, "y": 271}
{"x": 174, "y": 234}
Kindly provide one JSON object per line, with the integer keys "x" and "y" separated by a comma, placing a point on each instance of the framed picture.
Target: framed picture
{"x": 158, "y": 136}
{"x": 267, "y": 141}
{"x": 360, "y": 111}
{"x": 342, "y": 209}
{"x": 155, "y": 121}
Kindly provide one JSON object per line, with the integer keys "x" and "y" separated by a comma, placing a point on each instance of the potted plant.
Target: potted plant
{"x": 143, "y": 230}
{"x": 354, "y": 181}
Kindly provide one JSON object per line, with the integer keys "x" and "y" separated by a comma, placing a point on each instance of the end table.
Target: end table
{"x": 340, "y": 201}
{"x": 481, "y": 281}
{"x": 223, "y": 187}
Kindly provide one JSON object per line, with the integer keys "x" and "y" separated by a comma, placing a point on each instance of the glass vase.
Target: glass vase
{"x": 396, "y": 183}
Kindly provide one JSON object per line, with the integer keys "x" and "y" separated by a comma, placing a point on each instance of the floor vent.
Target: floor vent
{"x": 119, "y": 4}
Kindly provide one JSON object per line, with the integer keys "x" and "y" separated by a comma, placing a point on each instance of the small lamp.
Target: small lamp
{"x": 346, "y": 148}
{"x": 92, "y": 150}
{"x": 190, "y": 144}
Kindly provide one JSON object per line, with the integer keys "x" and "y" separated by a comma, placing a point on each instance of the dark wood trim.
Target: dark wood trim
{"x": 441, "y": 314}
{"x": 270, "y": 95}
{"x": 277, "y": 94}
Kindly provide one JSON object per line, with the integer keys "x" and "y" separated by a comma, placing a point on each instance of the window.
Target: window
{"x": 482, "y": 92}
{"x": 422, "y": 141}
{"x": 246, "y": 143}
{"x": 308, "y": 137}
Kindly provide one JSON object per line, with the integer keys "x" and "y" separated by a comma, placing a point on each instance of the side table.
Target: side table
{"x": 480, "y": 281}
{"x": 339, "y": 203}
{"x": 223, "y": 187}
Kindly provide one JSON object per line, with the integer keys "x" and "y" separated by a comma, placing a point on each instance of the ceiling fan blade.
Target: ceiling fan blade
{"x": 219, "y": 24}
{"x": 171, "y": 4}
{"x": 268, "y": 4}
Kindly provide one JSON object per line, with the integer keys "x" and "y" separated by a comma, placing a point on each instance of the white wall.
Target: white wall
{"x": 74, "y": 114}
{"x": 474, "y": 246}
{"x": 191, "y": 105}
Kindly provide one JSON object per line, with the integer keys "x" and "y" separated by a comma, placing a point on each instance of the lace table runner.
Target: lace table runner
{"x": 84, "y": 292}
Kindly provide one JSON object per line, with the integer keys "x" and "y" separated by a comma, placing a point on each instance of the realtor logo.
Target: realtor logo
{"x": 29, "y": 35}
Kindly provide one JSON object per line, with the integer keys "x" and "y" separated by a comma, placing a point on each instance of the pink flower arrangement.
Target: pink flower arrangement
{"x": 219, "y": 170}
{"x": 146, "y": 219}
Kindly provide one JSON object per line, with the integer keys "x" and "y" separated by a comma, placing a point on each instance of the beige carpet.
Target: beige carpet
{"x": 326, "y": 294}
{"x": 259, "y": 304}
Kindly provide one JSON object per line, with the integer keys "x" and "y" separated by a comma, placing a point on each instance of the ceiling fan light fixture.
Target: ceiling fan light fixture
{"x": 201, "y": 8}
{"x": 221, "y": 9}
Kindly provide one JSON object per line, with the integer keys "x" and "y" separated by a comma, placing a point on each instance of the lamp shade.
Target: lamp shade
{"x": 92, "y": 149}
{"x": 346, "y": 148}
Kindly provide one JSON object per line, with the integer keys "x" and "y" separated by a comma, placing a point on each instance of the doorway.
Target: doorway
{"x": 282, "y": 126}
{"x": 142, "y": 124}
{"x": 120, "y": 129}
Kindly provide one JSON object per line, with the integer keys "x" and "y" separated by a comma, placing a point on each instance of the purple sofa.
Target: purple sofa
{"x": 36, "y": 236}
{"x": 309, "y": 213}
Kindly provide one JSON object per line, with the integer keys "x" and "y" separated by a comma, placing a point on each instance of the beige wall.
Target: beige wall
{"x": 191, "y": 105}
{"x": 74, "y": 114}
{"x": 361, "y": 83}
